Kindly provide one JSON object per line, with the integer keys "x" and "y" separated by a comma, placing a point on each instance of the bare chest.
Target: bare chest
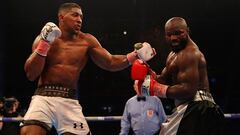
{"x": 67, "y": 53}
{"x": 172, "y": 63}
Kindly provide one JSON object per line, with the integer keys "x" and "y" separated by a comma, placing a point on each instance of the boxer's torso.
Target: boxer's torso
{"x": 65, "y": 61}
{"x": 175, "y": 60}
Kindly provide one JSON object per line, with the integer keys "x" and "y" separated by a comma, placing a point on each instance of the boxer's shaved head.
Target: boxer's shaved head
{"x": 176, "y": 33}
{"x": 176, "y": 23}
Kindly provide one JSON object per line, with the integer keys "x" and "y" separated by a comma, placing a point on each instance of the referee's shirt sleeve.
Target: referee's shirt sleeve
{"x": 125, "y": 121}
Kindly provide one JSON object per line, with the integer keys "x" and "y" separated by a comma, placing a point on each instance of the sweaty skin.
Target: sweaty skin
{"x": 69, "y": 53}
{"x": 67, "y": 57}
{"x": 185, "y": 70}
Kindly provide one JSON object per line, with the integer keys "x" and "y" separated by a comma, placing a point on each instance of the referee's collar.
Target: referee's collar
{"x": 139, "y": 98}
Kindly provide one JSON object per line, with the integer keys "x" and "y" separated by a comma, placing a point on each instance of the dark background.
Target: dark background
{"x": 214, "y": 26}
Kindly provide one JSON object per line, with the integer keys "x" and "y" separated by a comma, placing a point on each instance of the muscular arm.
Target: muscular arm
{"x": 163, "y": 77}
{"x": 104, "y": 59}
{"x": 185, "y": 85}
{"x": 35, "y": 63}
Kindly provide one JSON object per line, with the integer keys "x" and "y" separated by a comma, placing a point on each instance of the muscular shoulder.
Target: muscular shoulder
{"x": 189, "y": 56}
{"x": 91, "y": 40}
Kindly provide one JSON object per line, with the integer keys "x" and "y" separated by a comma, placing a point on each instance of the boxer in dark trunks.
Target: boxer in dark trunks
{"x": 185, "y": 80}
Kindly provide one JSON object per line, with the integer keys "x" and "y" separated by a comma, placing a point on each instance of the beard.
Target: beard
{"x": 177, "y": 46}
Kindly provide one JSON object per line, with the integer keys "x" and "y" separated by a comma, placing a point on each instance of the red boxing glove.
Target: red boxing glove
{"x": 152, "y": 73}
{"x": 139, "y": 70}
{"x": 151, "y": 87}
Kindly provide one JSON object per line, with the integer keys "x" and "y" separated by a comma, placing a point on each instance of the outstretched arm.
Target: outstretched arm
{"x": 103, "y": 58}
{"x": 107, "y": 61}
{"x": 110, "y": 62}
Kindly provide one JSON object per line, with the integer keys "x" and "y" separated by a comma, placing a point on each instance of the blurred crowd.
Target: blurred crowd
{"x": 9, "y": 107}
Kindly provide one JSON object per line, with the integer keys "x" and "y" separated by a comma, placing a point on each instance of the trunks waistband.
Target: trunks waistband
{"x": 56, "y": 91}
{"x": 203, "y": 95}
{"x": 200, "y": 96}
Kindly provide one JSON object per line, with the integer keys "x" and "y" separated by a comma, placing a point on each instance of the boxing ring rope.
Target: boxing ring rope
{"x": 88, "y": 118}
{"x": 107, "y": 118}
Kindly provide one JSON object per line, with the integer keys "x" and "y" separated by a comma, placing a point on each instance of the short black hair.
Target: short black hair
{"x": 68, "y": 5}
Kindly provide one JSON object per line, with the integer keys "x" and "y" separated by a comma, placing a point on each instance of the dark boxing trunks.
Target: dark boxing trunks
{"x": 56, "y": 91}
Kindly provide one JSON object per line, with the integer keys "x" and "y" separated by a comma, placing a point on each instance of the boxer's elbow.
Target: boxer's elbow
{"x": 107, "y": 65}
{"x": 114, "y": 68}
{"x": 117, "y": 64}
{"x": 112, "y": 64}
{"x": 109, "y": 68}
{"x": 30, "y": 78}
{"x": 31, "y": 75}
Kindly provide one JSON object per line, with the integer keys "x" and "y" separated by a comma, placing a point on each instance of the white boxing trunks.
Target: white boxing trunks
{"x": 64, "y": 114}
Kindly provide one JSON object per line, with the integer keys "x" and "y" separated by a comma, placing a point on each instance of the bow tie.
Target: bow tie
{"x": 139, "y": 98}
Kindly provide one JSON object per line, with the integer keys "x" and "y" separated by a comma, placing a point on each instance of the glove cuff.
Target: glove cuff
{"x": 160, "y": 90}
{"x": 131, "y": 57}
{"x": 42, "y": 48}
